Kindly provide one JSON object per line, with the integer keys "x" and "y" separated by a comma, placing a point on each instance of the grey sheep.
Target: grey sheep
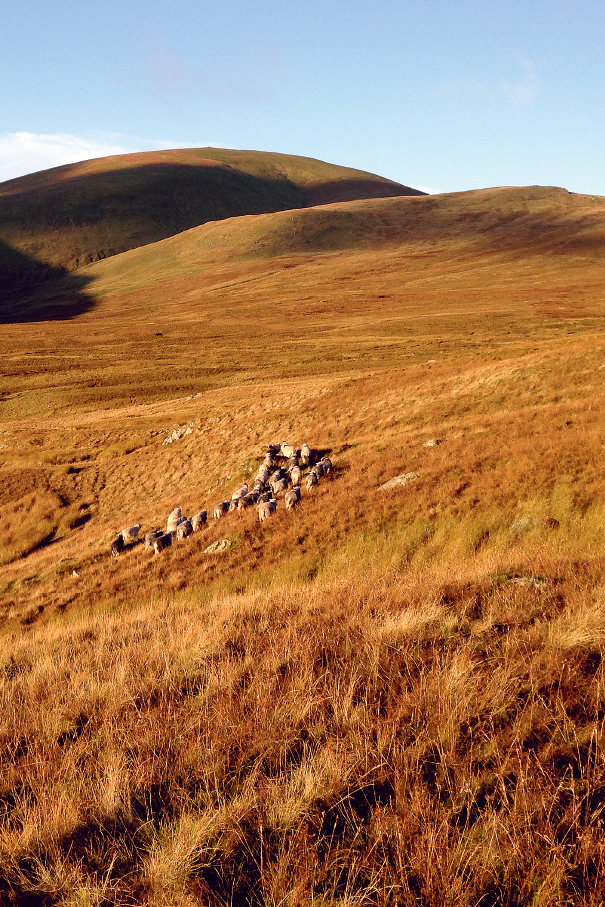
{"x": 220, "y": 509}
{"x": 117, "y": 546}
{"x": 266, "y": 509}
{"x": 291, "y": 498}
{"x": 326, "y": 462}
{"x": 247, "y": 501}
{"x": 184, "y": 529}
{"x": 278, "y": 487}
{"x": 199, "y": 520}
{"x": 151, "y": 536}
{"x": 162, "y": 542}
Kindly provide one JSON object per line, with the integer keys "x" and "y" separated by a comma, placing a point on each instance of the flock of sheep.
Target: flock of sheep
{"x": 284, "y": 470}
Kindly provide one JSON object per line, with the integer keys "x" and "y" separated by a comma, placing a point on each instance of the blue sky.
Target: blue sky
{"x": 445, "y": 95}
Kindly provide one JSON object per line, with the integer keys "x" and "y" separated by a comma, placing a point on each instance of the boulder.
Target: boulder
{"x": 219, "y": 545}
{"x": 399, "y": 480}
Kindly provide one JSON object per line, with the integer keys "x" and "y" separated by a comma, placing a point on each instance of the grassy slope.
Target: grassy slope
{"x": 72, "y": 215}
{"x": 385, "y": 697}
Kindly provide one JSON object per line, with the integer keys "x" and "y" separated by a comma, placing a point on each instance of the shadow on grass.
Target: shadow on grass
{"x": 31, "y": 290}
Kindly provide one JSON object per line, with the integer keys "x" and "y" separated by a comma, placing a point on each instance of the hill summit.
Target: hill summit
{"x": 71, "y": 216}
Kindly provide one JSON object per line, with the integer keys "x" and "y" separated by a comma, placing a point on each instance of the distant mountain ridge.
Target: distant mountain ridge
{"x": 70, "y": 216}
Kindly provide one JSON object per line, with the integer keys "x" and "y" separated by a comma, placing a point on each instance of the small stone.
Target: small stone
{"x": 525, "y": 525}
{"x": 399, "y": 480}
{"x": 528, "y": 580}
{"x": 219, "y": 545}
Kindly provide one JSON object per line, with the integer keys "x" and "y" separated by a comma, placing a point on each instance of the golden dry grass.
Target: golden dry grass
{"x": 385, "y": 697}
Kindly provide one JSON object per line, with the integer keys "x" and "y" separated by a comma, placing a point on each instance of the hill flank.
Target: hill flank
{"x": 383, "y": 697}
{"x": 73, "y": 215}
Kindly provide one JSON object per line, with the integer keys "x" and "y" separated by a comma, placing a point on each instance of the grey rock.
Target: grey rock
{"x": 399, "y": 480}
{"x": 525, "y": 524}
{"x": 219, "y": 545}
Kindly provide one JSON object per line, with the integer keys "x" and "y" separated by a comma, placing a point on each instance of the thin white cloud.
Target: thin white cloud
{"x": 519, "y": 92}
{"x": 525, "y": 90}
{"x": 28, "y": 152}
{"x": 172, "y": 79}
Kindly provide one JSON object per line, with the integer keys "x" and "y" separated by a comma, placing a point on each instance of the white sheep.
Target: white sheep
{"x": 130, "y": 533}
{"x": 311, "y": 481}
{"x": 240, "y": 492}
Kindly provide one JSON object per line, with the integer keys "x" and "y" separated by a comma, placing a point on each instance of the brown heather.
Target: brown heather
{"x": 381, "y": 698}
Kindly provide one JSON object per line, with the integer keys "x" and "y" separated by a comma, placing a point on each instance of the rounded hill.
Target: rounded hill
{"x": 73, "y": 215}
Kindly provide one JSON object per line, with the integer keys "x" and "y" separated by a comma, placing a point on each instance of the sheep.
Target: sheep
{"x": 291, "y": 498}
{"x": 278, "y": 487}
{"x": 287, "y": 451}
{"x": 264, "y": 497}
{"x": 131, "y": 532}
{"x": 276, "y": 476}
{"x": 247, "y": 501}
{"x": 266, "y": 509}
{"x": 306, "y": 455}
{"x": 263, "y": 474}
{"x": 273, "y": 449}
{"x": 117, "y": 546}
{"x": 184, "y": 529}
{"x": 326, "y": 462}
{"x": 173, "y": 519}
{"x": 151, "y": 536}
{"x": 162, "y": 542}
{"x": 319, "y": 469}
{"x": 240, "y": 492}
{"x": 311, "y": 480}
{"x": 199, "y": 520}
{"x": 292, "y": 462}
{"x": 220, "y": 509}
{"x": 295, "y": 476}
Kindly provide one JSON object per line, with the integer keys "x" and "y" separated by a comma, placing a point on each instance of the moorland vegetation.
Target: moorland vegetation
{"x": 384, "y": 697}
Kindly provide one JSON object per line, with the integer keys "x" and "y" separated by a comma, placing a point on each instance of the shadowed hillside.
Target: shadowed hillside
{"x": 80, "y": 213}
{"x": 33, "y": 291}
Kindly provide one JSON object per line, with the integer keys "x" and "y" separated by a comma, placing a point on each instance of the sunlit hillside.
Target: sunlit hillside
{"x": 384, "y": 696}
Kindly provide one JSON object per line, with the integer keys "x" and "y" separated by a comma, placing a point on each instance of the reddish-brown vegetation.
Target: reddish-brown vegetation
{"x": 383, "y": 697}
